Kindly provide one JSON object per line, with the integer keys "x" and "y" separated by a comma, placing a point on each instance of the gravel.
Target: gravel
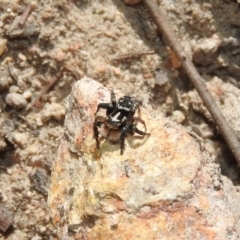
{"x": 79, "y": 38}
{"x": 16, "y": 100}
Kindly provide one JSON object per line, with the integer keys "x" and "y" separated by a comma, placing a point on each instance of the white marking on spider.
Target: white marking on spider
{"x": 124, "y": 108}
{"x": 115, "y": 117}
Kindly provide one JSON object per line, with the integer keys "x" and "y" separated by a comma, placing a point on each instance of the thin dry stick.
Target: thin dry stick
{"x": 124, "y": 57}
{"x": 25, "y": 14}
{"x": 165, "y": 28}
{"x": 50, "y": 84}
{"x": 43, "y": 91}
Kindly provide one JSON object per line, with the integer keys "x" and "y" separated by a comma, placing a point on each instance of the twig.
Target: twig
{"x": 42, "y": 92}
{"x": 50, "y": 84}
{"x": 165, "y": 28}
{"x": 25, "y": 14}
{"x": 126, "y": 56}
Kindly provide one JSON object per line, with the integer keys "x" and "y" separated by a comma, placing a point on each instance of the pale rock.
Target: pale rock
{"x": 21, "y": 139}
{"x": 6, "y": 218}
{"x": 53, "y": 111}
{"x": 3, "y": 44}
{"x": 205, "y": 51}
{"x": 160, "y": 78}
{"x": 3, "y": 145}
{"x": 33, "y": 149}
{"x": 16, "y": 100}
{"x": 14, "y": 89}
{"x": 5, "y": 81}
{"x": 178, "y": 116}
{"x": 27, "y": 95}
{"x": 160, "y": 188}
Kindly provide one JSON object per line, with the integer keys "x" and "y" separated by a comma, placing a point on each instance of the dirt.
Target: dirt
{"x": 118, "y": 45}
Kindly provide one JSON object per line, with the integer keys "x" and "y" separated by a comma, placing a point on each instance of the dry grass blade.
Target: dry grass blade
{"x": 43, "y": 91}
{"x": 127, "y": 56}
{"x": 25, "y": 14}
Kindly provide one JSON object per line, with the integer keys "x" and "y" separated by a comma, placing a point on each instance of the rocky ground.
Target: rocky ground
{"x": 44, "y": 51}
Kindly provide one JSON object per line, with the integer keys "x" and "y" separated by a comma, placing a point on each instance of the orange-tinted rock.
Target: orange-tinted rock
{"x": 160, "y": 188}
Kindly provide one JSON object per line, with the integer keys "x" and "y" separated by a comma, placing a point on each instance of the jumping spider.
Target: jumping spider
{"x": 119, "y": 116}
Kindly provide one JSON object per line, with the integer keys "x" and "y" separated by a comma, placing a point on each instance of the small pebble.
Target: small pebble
{"x": 5, "y": 82}
{"x": 32, "y": 149}
{"x": 108, "y": 34}
{"x": 13, "y": 89}
{"x": 207, "y": 132}
{"x": 101, "y": 69}
{"x": 147, "y": 75}
{"x": 36, "y": 237}
{"x": 169, "y": 101}
{"x": 210, "y": 149}
{"x": 117, "y": 71}
{"x": 178, "y": 116}
{"x": 16, "y": 100}
{"x": 205, "y": 51}
{"x": 160, "y": 78}
{"x": 42, "y": 229}
{"x": 21, "y": 139}
{"x": 3, "y": 43}
{"x": 36, "y": 84}
{"x": 27, "y": 95}
{"x": 53, "y": 111}
{"x": 6, "y": 218}
{"x": 29, "y": 194}
{"x": 22, "y": 57}
{"x": 59, "y": 56}
{"x": 3, "y": 145}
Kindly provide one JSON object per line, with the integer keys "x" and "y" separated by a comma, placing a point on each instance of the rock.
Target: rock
{"x": 161, "y": 187}
{"x": 14, "y": 89}
{"x": 3, "y": 44}
{"x": 161, "y": 78}
{"x": 16, "y": 100}
{"x": 3, "y": 145}
{"x": 27, "y": 95}
{"x": 21, "y": 139}
{"x": 53, "y": 111}
{"x": 205, "y": 51}
{"x": 178, "y": 116}
{"x": 5, "y": 81}
{"x": 40, "y": 181}
{"x": 226, "y": 96}
{"x": 6, "y": 218}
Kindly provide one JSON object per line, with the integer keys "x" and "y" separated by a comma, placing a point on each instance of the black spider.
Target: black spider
{"x": 119, "y": 116}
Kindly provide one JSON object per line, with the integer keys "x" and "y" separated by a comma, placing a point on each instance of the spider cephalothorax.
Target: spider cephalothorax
{"x": 119, "y": 116}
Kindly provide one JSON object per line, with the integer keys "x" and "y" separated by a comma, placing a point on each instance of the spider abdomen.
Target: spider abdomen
{"x": 115, "y": 120}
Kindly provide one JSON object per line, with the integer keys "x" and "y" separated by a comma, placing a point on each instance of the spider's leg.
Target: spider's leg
{"x": 113, "y": 98}
{"x": 106, "y": 106}
{"x": 97, "y": 123}
{"x": 123, "y": 135}
{"x": 135, "y": 129}
{"x": 137, "y": 104}
{"x": 140, "y": 132}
